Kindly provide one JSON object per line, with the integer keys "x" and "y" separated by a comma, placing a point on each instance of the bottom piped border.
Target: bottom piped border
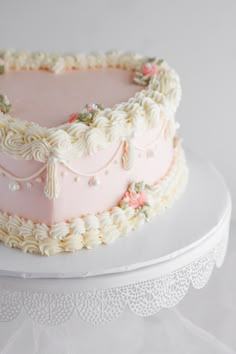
{"x": 139, "y": 204}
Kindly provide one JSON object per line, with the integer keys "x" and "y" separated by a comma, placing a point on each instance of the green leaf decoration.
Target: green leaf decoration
{"x": 5, "y": 104}
{"x": 87, "y": 114}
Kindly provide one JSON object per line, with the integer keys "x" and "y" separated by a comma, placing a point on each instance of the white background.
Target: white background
{"x": 195, "y": 37}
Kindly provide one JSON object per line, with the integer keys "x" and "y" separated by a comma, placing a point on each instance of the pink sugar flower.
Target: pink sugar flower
{"x": 91, "y": 107}
{"x": 72, "y": 117}
{"x": 135, "y": 200}
{"x": 149, "y": 69}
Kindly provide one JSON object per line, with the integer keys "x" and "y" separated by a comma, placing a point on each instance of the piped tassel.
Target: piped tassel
{"x": 52, "y": 187}
{"x": 128, "y": 155}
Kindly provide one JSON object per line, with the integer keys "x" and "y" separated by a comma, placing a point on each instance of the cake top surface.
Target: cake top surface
{"x": 43, "y": 90}
{"x": 48, "y": 99}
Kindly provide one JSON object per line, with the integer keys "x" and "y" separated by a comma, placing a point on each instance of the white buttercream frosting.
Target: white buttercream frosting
{"x": 30, "y": 245}
{"x": 26, "y": 229}
{"x": 109, "y": 231}
{"x": 77, "y": 226}
{"x": 41, "y": 232}
{"x": 13, "y": 224}
{"x": 73, "y": 243}
{"x": 59, "y": 231}
{"x": 129, "y": 155}
{"x": 50, "y": 246}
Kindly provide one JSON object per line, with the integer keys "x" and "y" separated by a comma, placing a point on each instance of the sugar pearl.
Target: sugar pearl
{"x": 64, "y": 173}
{"x": 13, "y": 187}
{"x": 29, "y": 185}
{"x": 133, "y": 135}
{"x": 151, "y": 153}
{"x": 77, "y": 179}
{"x": 94, "y": 181}
{"x": 39, "y": 179}
{"x": 177, "y": 125}
{"x": 92, "y": 106}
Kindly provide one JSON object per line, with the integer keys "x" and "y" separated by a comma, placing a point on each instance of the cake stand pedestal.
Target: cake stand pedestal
{"x": 108, "y": 299}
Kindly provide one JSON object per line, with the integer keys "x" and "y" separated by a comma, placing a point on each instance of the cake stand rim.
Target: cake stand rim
{"x": 120, "y": 271}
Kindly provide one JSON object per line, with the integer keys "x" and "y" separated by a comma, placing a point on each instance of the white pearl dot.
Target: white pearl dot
{"x": 13, "y": 187}
{"x": 133, "y": 135}
{"x": 29, "y": 185}
{"x": 64, "y": 173}
{"x": 94, "y": 181}
{"x": 77, "y": 179}
{"x": 151, "y": 153}
{"x": 92, "y": 105}
{"x": 39, "y": 179}
{"x": 177, "y": 125}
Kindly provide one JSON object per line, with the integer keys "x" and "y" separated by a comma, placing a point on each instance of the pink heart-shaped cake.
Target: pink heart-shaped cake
{"x": 88, "y": 147}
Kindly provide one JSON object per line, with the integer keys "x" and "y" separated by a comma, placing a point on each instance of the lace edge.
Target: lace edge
{"x": 100, "y": 306}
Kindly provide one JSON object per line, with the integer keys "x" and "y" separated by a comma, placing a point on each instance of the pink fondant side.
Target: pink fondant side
{"x": 79, "y": 197}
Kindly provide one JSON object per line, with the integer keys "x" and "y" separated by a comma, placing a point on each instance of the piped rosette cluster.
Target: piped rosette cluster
{"x": 146, "y": 70}
{"x": 136, "y": 198}
{"x": 87, "y": 114}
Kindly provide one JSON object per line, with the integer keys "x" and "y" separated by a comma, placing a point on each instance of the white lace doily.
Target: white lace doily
{"x": 100, "y": 306}
{"x": 143, "y": 286}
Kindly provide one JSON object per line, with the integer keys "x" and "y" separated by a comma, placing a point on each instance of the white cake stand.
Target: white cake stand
{"x": 140, "y": 274}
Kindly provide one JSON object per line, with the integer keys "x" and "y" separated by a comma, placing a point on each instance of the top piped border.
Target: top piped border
{"x": 27, "y": 140}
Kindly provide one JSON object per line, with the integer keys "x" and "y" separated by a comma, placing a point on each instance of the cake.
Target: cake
{"x": 76, "y": 174}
